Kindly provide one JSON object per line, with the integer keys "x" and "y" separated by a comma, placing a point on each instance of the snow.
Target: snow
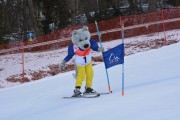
{"x": 152, "y": 92}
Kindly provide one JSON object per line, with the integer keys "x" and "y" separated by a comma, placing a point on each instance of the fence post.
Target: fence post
{"x": 22, "y": 44}
{"x": 164, "y": 27}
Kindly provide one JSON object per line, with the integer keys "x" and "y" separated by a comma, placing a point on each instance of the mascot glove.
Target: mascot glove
{"x": 62, "y": 65}
{"x": 101, "y": 49}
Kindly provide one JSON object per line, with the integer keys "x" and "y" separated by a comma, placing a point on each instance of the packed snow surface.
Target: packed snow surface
{"x": 152, "y": 92}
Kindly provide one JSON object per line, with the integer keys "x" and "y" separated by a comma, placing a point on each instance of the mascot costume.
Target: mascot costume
{"x": 81, "y": 48}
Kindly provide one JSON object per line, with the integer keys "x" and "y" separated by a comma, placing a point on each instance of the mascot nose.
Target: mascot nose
{"x": 86, "y": 46}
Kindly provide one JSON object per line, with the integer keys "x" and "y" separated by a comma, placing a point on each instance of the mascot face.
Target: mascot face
{"x": 81, "y": 38}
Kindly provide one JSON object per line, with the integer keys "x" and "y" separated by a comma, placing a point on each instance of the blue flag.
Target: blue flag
{"x": 114, "y": 56}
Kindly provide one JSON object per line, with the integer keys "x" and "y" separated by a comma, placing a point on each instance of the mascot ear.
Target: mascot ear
{"x": 74, "y": 32}
{"x": 85, "y": 28}
{"x": 74, "y": 36}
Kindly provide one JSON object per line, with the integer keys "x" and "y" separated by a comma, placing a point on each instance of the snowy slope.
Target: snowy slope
{"x": 152, "y": 92}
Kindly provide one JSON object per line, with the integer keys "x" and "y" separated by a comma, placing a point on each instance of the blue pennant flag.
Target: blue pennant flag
{"x": 114, "y": 56}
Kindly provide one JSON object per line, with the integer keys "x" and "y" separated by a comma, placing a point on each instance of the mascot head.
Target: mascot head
{"x": 81, "y": 38}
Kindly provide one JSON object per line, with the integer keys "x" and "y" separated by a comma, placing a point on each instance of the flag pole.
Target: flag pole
{"x": 122, "y": 30}
{"x": 99, "y": 37}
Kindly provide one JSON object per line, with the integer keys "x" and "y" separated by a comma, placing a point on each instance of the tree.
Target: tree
{"x": 73, "y": 12}
{"x": 2, "y": 25}
{"x": 174, "y": 2}
{"x": 152, "y": 5}
{"x": 101, "y": 9}
{"x": 56, "y": 13}
{"x": 135, "y": 6}
{"x": 32, "y": 13}
{"x": 16, "y": 17}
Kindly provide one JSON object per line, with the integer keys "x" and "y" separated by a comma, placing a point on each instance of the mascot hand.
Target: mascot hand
{"x": 62, "y": 65}
{"x": 101, "y": 49}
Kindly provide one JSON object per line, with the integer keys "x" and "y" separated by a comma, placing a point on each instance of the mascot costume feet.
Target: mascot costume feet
{"x": 80, "y": 49}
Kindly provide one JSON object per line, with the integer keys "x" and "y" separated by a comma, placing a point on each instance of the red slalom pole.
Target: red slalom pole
{"x": 22, "y": 44}
{"x": 164, "y": 27}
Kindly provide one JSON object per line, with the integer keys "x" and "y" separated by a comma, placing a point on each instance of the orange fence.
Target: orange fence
{"x": 136, "y": 25}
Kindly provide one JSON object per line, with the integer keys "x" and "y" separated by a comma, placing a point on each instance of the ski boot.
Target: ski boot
{"x": 90, "y": 91}
{"x": 77, "y": 93}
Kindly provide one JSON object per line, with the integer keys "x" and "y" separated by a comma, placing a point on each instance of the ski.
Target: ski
{"x": 105, "y": 93}
{"x": 88, "y": 96}
{"x": 83, "y": 96}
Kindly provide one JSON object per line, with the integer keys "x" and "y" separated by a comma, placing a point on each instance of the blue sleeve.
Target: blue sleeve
{"x": 70, "y": 53}
{"x": 94, "y": 45}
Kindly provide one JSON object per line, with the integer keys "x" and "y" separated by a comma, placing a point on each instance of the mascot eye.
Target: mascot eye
{"x": 80, "y": 40}
{"x": 86, "y": 38}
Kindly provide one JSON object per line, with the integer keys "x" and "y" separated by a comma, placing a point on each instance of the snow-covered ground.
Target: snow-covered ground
{"x": 12, "y": 64}
{"x": 152, "y": 92}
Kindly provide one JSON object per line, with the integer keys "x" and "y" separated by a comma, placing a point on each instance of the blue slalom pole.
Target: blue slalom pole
{"x": 123, "y": 63}
{"x": 99, "y": 37}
